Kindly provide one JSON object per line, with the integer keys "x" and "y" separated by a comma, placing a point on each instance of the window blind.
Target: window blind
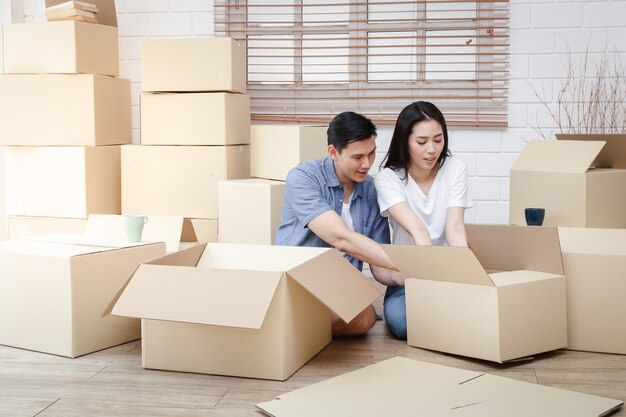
{"x": 311, "y": 59}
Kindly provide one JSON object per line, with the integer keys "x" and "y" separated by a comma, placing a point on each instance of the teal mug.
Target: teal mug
{"x": 133, "y": 226}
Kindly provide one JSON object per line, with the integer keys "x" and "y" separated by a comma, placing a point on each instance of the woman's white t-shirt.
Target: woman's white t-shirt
{"x": 448, "y": 190}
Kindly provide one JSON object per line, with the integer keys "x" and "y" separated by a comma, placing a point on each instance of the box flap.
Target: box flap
{"x": 593, "y": 241}
{"x": 438, "y": 263}
{"x": 509, "y": 248}
{"x": 336, "y": 283}
{"x": 557, "y": 156}
{"x": 613, "y": 155}
{"x": 424, "y": 389}
{"x": 106, "y": 10}
{"x": 218, "y": 297}
{"x": 48, "y": 248}
{"x": 81, "y": 240}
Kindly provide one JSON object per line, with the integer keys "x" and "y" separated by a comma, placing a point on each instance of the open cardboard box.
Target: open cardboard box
{"x": 580, "y": 183}
{"x": 64, "y": 47}
{"x": 454, "y": 305}
{"x": 242, "y": 310}
{"x": 21, "y": 227}
{"x": 595, "y": 272}
{"x": 408, "y": 388}
{"x": 54, "y": 288}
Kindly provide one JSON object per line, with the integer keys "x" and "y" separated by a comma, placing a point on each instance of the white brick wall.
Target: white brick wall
{"x": 540, "y": 33}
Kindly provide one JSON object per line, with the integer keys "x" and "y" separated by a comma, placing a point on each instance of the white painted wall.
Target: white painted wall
{"x": 539, "y": 31}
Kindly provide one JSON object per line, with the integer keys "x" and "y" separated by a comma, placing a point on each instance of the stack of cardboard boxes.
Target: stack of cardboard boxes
{"x": 63, "y": 114}
{"x": 250, "y": 209}
{"x": 580, "y": 180}
{"x": 195, "y": 130}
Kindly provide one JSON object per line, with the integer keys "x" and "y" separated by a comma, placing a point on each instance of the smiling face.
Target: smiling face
{"x": 354, "y": 161}
{"x": 426, "y": 142}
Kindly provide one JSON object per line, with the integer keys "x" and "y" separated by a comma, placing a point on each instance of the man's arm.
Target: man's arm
{"x": 329, "y": 227}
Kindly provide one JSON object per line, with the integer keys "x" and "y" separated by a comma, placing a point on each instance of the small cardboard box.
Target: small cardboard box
{"x": 275, "y": 149}
{"x": 205, "y": 230}
{"x": 195, "y": 119}
{"x": 20, "y": 227}
{"x": 426, "y": 389}
{"x": 179, "y": 180}
{"x": 64, "y": 47}
{"x": 53, "y": 290}
{"x": 250, "y": 210}
{"x": 68, "y": 182}
{"x": 242, "y": 310}
{"x": 579, "y": 183}
{"x": 595, "y": 271}
{"x": 198, "y": 64}
{"x": 64, "y": 110}
{"x": 516, "y": 311}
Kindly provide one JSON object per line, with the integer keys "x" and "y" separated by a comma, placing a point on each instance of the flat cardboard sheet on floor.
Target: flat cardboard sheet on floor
{"x": 595, "y": 272}
{"x": 406, "y": 387}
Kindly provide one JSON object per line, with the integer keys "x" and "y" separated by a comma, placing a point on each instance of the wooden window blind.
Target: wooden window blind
{"x": 311, "y": 59}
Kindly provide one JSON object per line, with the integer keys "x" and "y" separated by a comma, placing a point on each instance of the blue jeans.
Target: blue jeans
{"x": 395, "y": 311}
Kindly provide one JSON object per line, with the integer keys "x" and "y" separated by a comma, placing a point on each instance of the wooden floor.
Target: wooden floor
{"x": 112, "y": 382}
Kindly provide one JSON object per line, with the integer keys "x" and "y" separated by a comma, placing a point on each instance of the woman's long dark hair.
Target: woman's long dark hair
{"x": 398, "y": 154}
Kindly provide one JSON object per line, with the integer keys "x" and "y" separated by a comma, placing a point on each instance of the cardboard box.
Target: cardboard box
{"x": 250, "y": 210}
{"x": 198, "y": 64}
{"x": 275, "y": 149}
{"x": 579, "y": 183}
{"x": 195, "y": 119}
{"x": 179, "y": 180}
{"x": 177, "y": 232}
{"x": 64, "y": 47}
{"x": 53, "y": 290}
{"x": 242, "y": 310}
{"x": 68, "y": 182}
{"x": 595, "y": 271}
{"x": 64, "y": 110}
{"x": 516, "y": 311}
{"x": 20, "y": 227}
{"x": 206, "y": 230}
{"x": 426, "y": 389}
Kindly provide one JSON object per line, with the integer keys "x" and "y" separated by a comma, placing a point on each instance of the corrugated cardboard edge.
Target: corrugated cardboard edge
{"x": 106, "y": 10}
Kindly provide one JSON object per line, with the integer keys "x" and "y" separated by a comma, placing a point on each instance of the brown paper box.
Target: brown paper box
{"x": 455, "y": 306}
{"x": 579, "y": 183}
{"x": 198, "y": 64}
{"x": 249, "y": 210}
{"x": 68, "y": 182}
{"x": 64, "y": 110}
{"x": 54, "y": 288}
{"x": 242, "y": 310}
{"x": 195, "y": 119}
{"x": 179, "y": 180}
{"x": 595, "y": 271}
{"x": 275, "y": 149}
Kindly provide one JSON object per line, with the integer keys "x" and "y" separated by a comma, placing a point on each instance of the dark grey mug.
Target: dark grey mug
{"x": 534, "y": 216}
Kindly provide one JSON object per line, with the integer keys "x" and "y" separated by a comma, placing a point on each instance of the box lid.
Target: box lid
{"x": 221, "y": 297}
{"x": 613, "y": 155}
{"x": 106, "y": 10}
{"x": 593, "y": 241}
{"x": 438, "y": 263}
{"x": 558, "y": 156}
{"x": 510, "y": 248}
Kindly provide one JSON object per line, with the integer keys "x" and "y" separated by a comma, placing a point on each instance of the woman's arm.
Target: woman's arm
{"x": 455, "y": 226}
{"x": 409, "y": 221}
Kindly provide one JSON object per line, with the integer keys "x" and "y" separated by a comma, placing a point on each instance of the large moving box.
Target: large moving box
{"x": 53, "y": 290}
{"x": 199, "y": 64}
{"x": 249, "y": 210}
{"x": 454, "y": 305}
{"x": 195, "y": 119}
{"x": 579, "y": 183}
{"x": 275, "y": 149}
{"x": 179, "y": 180}
{"x": 595, "y": 271}
{"x": 69, "y": 182}
{"x": 426, "y": 389}
{"x": 64, "y": 110}
{"x": 20, "y": 227}
{"x": 242, "y": 310}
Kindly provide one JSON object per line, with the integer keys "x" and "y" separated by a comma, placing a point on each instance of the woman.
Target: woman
{"x": 423, "y": 191}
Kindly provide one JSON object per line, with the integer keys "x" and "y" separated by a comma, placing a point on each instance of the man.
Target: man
{"x": 331, "y": 202}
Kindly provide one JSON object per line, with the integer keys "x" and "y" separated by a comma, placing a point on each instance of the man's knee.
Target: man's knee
{"x": 361, "y": 324}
